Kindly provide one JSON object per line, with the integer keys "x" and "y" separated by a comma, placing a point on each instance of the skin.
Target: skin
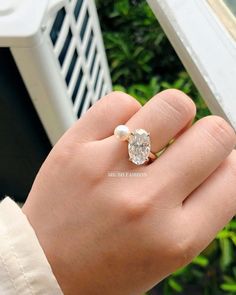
{"x": 123, "y": 235}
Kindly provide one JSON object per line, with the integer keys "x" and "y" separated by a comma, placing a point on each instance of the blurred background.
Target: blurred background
{"x": 142, "y": 62}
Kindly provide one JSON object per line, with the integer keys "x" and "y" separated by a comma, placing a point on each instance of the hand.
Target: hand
{"x": 122, "y": 235}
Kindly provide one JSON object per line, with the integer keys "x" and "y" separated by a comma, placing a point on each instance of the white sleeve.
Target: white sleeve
{"x": 24, "y": 269}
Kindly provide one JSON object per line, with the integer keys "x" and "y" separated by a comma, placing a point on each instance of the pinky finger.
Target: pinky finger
{"x": 213, "y": 203}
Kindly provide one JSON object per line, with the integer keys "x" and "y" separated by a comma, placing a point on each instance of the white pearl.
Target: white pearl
{"x": 122, "y": 132}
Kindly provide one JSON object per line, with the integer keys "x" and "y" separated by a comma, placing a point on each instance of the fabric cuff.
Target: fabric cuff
{"x": 24, "y": 266}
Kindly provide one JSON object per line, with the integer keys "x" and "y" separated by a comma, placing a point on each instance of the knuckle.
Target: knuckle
{"x": 135, "y": 208}
{"x": 183, "y": 250}
{"x": 181, "y": 105}
{"x": 183, "y": 245}
{"x": 228, "y": 170}
{"x": 59, "y": 157}
{"x": 68, "y": 157}
{"x": 219, "y": 130}
{"x": 63, "y": 152}
{"x": 92, "y": 168}
{"x": 230, "y": 163}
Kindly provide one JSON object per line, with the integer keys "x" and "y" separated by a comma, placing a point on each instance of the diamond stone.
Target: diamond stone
{"x": 139, "y": 146}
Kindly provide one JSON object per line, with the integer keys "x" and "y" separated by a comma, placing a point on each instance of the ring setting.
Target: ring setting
{"x": 139, "y": 144}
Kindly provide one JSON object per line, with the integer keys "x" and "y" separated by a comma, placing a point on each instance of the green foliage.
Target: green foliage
{"x": 142, "y": 63}
{"x": 134, "y": 43}
{"x": 141, "y": 59}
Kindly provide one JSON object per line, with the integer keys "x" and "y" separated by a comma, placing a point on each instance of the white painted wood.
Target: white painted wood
{"x": 206, "y": 49}
{"x": 25, "y": 28}
{"x": 14, "y": 29}
{"x": 46, "y": 88}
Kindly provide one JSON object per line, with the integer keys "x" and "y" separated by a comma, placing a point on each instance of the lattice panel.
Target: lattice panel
{"x": 74, "y": 35}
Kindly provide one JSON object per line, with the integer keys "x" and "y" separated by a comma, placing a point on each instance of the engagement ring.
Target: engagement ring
{"x": 139, "y": 144}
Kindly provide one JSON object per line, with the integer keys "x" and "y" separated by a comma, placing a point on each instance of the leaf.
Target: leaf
{"x": 122, "y": 6}
{"x": 223, "y": 234}
{"x": 229, "y": 287}
{"x": 211, "y": 249}
{"x": 232, "y": 224}
{"x": 165, "y": 85}
{"x": 119, "y": 88}
{"x": 201, "y": 261}
{"x": 175, "y": 285}
{"x": 227, "y": 253}
{"x": 228, "y": 279}
{"x": 180, "y": 271}
{"x": 234, "y": 271}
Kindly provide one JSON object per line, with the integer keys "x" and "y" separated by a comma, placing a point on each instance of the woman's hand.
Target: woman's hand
{"x": 105, "y": 232}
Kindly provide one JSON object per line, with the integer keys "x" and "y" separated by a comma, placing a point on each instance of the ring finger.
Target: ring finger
{"x": 165, "y": 116}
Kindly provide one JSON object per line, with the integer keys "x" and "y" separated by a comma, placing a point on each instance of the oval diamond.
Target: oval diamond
{"x": 139, "y": 146}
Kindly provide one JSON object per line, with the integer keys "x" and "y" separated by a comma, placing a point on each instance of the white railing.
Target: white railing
{"x": 206, "y": 48}
{"x": 58, "y": 48}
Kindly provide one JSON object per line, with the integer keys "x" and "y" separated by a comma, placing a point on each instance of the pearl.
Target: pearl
{"x": 122, "y": 132}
